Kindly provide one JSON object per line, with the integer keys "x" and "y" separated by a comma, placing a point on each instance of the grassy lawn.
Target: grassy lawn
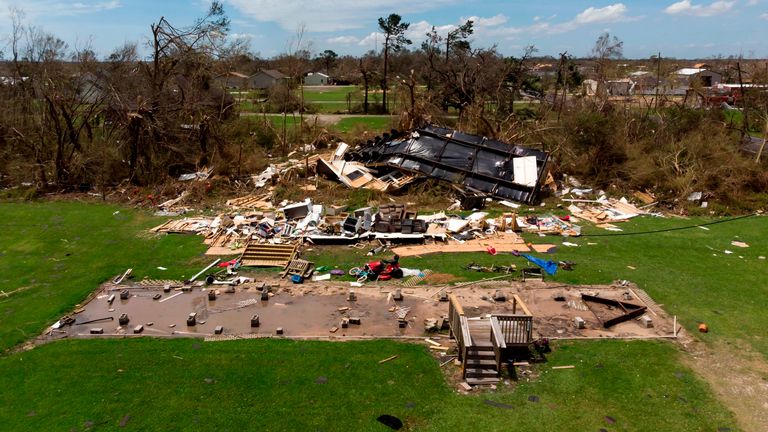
{"x": 375, "y": 124}
{"x": 326, "y": 94}
{"x": 62, "y": 250}
{"x": 59, "y": 252}
{"x": 307, "y": 386}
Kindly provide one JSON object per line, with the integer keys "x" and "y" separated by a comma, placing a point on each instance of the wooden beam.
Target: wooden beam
{"x": 519, "y": 301}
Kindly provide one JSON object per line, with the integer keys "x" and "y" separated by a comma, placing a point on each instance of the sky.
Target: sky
{"x": 681, "y": 29}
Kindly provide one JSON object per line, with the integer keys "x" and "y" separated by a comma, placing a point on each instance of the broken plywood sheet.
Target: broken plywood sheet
{"x": 506, "y": 242}
{"x": 186, "y": 225}
{"x": 251, "y": 201}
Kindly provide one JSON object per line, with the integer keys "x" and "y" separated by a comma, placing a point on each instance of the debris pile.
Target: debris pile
{"x": 474, "y": 163}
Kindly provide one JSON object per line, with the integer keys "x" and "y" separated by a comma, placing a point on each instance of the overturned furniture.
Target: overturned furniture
{"x": 485, "y": 343}
{"x": 479, "y": 164}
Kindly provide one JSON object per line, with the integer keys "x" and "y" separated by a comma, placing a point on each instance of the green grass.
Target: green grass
{"x": 59, "y": 252}
{"x": 335, "y": 94}
{"x": 375, "y": 124}
{"x": 280, "y": 385}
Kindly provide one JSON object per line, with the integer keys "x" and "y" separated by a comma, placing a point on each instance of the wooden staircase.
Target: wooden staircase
{"x": 484, "y": 341}
{"x": 480, "y": 366}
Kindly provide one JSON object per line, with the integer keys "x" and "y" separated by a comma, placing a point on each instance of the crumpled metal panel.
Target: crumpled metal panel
{"x": 479, "y": 164}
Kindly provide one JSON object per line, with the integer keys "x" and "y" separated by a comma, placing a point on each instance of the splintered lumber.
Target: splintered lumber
{"x": 250, "y": 201}
{"x": 563, "y": 367}
{"x": 506, "y": 242}
{"x": 430, "y": 341}
{"x": 268, "y": 255}
{"x": 439, "y": 348}
{"x": 299, "y": 267}
{"x": 388, "y": 359}
{"x": 626, "y": 310}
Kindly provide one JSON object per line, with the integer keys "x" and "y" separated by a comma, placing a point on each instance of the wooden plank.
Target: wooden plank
{"x": 522, "y": 305}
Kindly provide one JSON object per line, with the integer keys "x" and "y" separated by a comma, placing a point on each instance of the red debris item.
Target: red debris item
{"x": 704, "y": 328}
{"x": 491, "y": 250}
{"x": 566, "y": 218}
{"x": 226, "y": 264}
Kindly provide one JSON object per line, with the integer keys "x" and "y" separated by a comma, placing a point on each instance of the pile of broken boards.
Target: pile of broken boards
{"x": 605, "y": 212}
{"x": 293, "y": 224}
{"x": 475, "y": 164}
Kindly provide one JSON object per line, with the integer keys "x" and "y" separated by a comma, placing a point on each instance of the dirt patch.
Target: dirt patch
{"x": 737, "y": 375}
{"x": 440, "y": 278}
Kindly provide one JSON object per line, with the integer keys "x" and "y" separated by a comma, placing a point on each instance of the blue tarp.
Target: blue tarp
{"x": 549, "y": 266}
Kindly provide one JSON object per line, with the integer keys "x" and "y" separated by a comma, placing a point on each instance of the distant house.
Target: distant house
{"x": 233, "y": 80}
{"x": 265, "y": 79}
{"x": 589, "y": 87}
{"x": 620, "y": 87}
{"x": 542, "y": 70}
{"x": 317, "y": 79}
{"x": 707, "y": 78}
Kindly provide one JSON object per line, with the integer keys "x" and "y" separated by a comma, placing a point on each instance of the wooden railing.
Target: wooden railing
{"x": 497, "y": 340}
{"x": 516, "y": 329}
{"x": 459, "y": 329}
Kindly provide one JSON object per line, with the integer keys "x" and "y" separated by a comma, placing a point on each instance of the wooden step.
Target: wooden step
{"x": 480, "y": 373}
{"x": 482, "y": 381}
{"x": 481, "y": 363}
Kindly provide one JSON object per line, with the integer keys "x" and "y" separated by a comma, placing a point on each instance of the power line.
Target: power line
{"x": 672, "y": 229}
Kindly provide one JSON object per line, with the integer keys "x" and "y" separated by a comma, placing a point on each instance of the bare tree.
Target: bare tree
{"x": 606, "y": 48}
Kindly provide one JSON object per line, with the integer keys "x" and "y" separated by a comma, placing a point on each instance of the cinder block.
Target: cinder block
{"x": 579, "y": 323}
{"x": 398, "y": 295}
{"x": 646, "y": 321}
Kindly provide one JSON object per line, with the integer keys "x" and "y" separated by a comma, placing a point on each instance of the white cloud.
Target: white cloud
{"x": 417, "y": 31}
{"x": 612, "y": 13}
{"x": 371, "y": 41}
{"x": 329, "y": 15}
{"x": 343, "y": 40}
{"x": 609, "y": 14}
{"x": 753, "y": 2}
{"x": 493, "y": 21}
{"x": 764, "y": 16}
{"x": 34, "y": 8}
{"x": 685, "y": 7}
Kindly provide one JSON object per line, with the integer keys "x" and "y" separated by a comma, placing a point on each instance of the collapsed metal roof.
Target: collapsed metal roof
{"x": 477, "y": 163}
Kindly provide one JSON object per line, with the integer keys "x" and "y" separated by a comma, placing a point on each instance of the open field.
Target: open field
{"x": 63, "y": 250}
{"x": 289, "y": 386}
{"x": 55, "y": 253}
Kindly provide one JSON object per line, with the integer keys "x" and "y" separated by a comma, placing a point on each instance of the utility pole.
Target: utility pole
{"x": 745, "y": 108}
{"x": 658, "y": 81}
